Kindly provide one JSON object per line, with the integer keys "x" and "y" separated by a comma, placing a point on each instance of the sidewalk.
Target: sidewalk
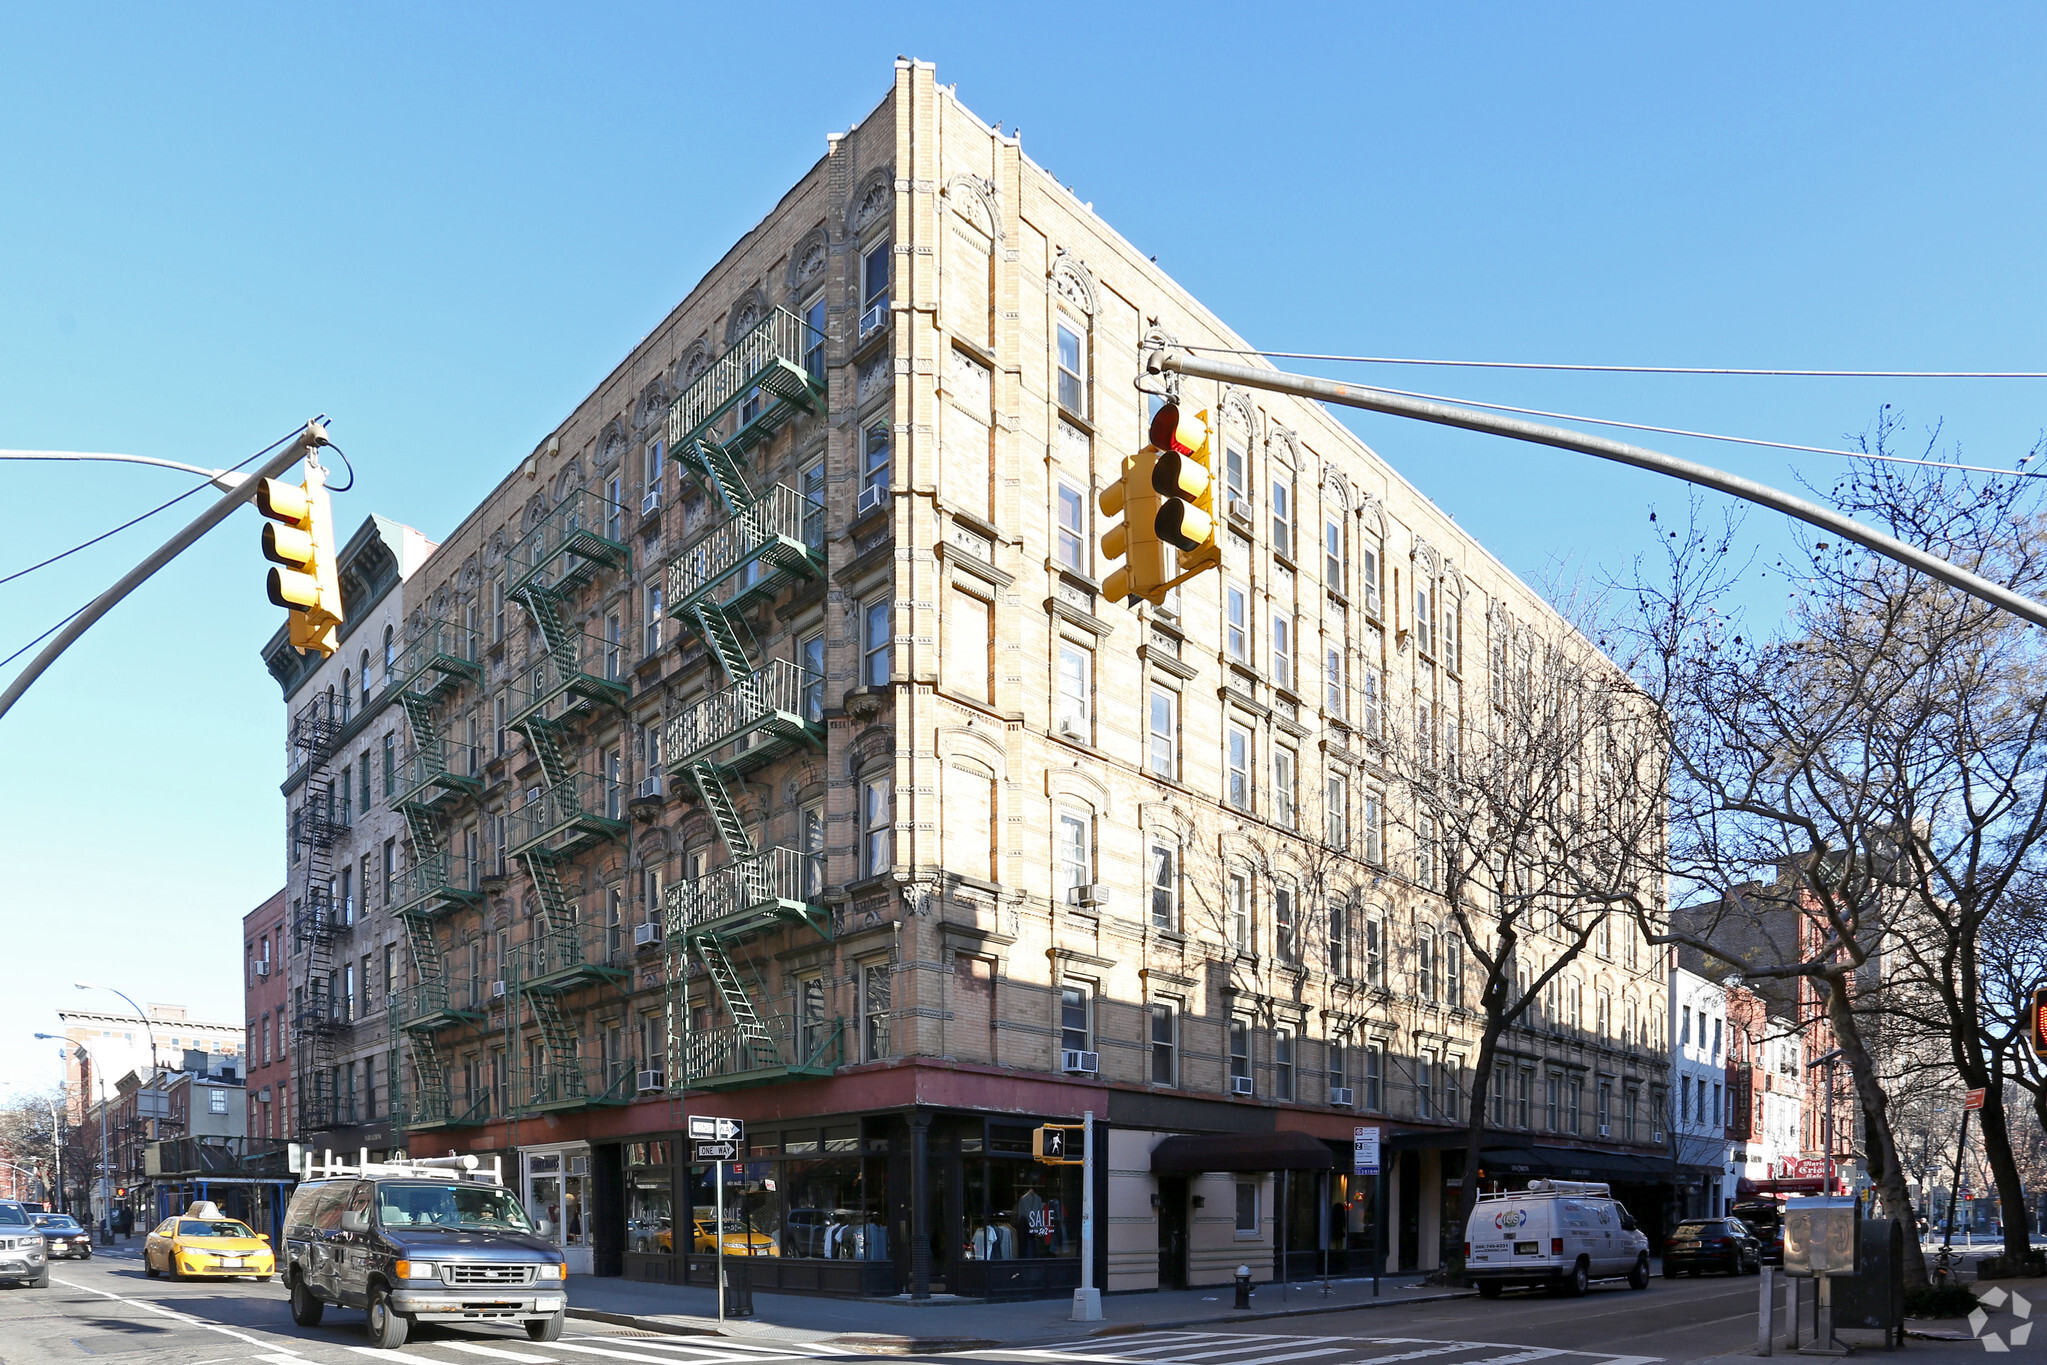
{"x": 897, "y": 1326}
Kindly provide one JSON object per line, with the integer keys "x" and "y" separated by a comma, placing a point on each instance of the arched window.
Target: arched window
{"x": 390, "y": 654}
{"x": 1574, "y": 1004}
{"x": 1425, "y": 964}
{"x": 362, "y": 677}
{"x": 347, "y": 694}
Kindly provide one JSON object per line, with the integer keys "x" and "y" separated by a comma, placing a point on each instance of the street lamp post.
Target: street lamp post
{"x": 106, "y": 1229}
{"x": 1827, "y": 1120}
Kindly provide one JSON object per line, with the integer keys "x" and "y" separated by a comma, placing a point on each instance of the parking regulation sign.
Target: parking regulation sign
{"x": 1364, "y": 1150}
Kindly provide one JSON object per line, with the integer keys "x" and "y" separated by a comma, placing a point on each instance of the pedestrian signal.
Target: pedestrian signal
{"x": 1058, "y": 1144}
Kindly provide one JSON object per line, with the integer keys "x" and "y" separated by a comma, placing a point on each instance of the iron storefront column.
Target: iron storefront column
{"x": 920, "y": 1205}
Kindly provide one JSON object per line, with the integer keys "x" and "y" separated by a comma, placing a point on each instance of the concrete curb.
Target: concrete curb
{"x": 885, "y": 1343}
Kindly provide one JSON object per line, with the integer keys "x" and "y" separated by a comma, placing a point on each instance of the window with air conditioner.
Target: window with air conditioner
{"x": 646, "y": 935}
{"x": 652, "y": 1080}
{"x": 875, "y": 456}
{"x": 1075, "y": 697}
{"x": 1073, "y": 853}
{"x": 874, "y": 288}
{"x": 1076, "y": 1018}
{"x": 1240, "y": 1057}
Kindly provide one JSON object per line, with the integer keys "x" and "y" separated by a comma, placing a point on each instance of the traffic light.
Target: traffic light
{"x": 1058, "y": 1144}
{"x": 1136, "y": 541}
{"x": 2036, "y": 1022}
{"x": 299, "y": 537}
{"x": 1185, "y": 479}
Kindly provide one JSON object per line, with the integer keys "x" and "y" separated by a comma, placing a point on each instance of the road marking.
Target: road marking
{"x": 491, "y": 1351}
{"x": 723, "y": 1349}
{"x": 617, "y": 1355}
{"x": 185, "y": 1318}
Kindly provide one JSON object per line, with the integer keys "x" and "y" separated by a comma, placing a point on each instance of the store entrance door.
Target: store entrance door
{"x": 1172, "y": 1232}
{"x": 557, "y": 1187}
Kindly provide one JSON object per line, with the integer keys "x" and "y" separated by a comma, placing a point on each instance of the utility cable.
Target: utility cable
{"x": 1624, "y": 369}
{"x": 1708, "y": 435}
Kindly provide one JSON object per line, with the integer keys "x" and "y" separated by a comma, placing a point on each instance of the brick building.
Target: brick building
{"x": 765, "y": 734}
{"x": 265, "y": 996}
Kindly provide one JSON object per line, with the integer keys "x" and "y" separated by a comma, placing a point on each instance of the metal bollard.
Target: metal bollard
{"x": 1791, "y": 1309}
{"x": 1766, "y": 1303}
{"x": 1243, "y": 1287}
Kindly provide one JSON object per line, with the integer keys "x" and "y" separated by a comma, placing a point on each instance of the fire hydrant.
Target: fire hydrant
{"x": 1243, "y": 1287}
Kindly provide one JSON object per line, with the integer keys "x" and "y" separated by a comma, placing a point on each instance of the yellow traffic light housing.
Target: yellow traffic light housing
{"x": 1136, "y": 542}
{"x": 299, "y": 538}
{"x": 1184, "y": 476}
{"x": 1058, "y": 1144}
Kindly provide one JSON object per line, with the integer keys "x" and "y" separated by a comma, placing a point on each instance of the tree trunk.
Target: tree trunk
{"x": 1877, "y": 1118}
{"x": 2004, "y": 1171}
{"x": 1474, "y": 1136}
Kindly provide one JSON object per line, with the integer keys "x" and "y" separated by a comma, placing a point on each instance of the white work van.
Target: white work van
{"x": 1561, "y": 1234}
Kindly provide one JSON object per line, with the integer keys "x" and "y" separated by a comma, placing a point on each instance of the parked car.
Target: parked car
{"x": 1560, "y": 1234}
{"x": 199, "y": 1244}
{"x": 438, "y": 1240}
{"x": 739, "y": 1239}
{"x": 1700, "y": 1244}
{"x": 1764, "y": 1218}
{"x": 23, "y": 1258}
{"x": 62, "y": 1236}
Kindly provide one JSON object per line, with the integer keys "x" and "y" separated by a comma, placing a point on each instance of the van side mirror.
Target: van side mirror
{"x": 355, "y": 1220}
{"x": 1628, "y": 1221}
{"x": 541, "y": 1226}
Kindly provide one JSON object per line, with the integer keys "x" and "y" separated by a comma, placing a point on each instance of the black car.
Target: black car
{"x": 432, "y": 1241}
{"x": 62, "y": 1237}
{"x": 22, "y": 1257}
{"x": 1765, "y": 1221}
{"x": 1700, "y": 1244}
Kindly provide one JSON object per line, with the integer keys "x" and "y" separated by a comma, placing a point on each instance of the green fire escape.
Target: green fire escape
{"x": 570, "y": 678}
{"x": 766, "y": 709}
{"x": 436, "y": 777}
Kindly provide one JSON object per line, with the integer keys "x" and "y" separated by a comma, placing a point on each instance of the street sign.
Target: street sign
{"x": 1973, "y": 1100}
{"x": 707, "y": 1128}
{"x": 1364, "y": 1150}
{"x": 714, "y": 1151}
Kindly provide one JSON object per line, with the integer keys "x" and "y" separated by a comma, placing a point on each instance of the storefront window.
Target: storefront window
{"x": 1020, "y": 1210}
{"x": 836, "y": 1209}
{"x": 555, "y": 1183}
{"x": 650, "y": 1220}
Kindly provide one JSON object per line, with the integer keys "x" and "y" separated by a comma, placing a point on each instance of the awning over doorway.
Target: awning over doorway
{"x": 1241, "y": 1152}
{"x": 1577, "y": 1163}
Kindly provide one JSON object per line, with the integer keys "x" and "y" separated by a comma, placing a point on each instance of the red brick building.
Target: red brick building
{"x": 264, "y": 996}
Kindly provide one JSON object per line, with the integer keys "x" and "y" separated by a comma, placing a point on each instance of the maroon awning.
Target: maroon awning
{"x": 1241, "y": 1152}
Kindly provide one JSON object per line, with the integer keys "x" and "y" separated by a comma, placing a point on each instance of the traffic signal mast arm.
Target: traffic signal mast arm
{"x": 1170, "y": 360}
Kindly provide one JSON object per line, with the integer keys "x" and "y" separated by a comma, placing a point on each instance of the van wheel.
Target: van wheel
{"x": 1638, "y": 1278}
{"x": 387, "y": 1326}
{"x": 1577, "y": 1281}
{"x": 545, "y": 1329}
{"x": 305, "y": 1307}
{"x": 1489, "y": 1289}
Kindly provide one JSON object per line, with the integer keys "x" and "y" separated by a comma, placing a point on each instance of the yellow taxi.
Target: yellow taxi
{"x": 739, "y": 1240}
{"x": 200, "y": 1244}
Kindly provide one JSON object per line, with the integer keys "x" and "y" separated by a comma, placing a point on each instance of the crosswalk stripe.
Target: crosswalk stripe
{"x": 722, "y": 1348}
{"x": 1265, "y": 1360}
{"x": 616, "y": 1355}
{"x": 495, "y": 1353}
{"x": 1245, "y": 1343}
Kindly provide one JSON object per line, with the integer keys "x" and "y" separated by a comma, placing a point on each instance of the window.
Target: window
{"x": 1446, "y": 635}
{"x": 968, "y": 819}
{"x": 874, "y": 461}
{"x": 1374, "y": 1077}
{"x": 651, "y": 636}
{"x": 390, "y": 867}
{"x": 1283, "y": 517}
{"x": 1237, "y": 622}
{"x": 1165, "y": 1050}
{"x": 501, "y": 730}
{"x": 1338, "y": 1064}
{"x": 1339, "y": 937}
{"x": 1553, "y": 1101}
{"x": 1072, "y": 358}
{"x": 1424, "y": 1085}
{"x": 1072, "y": 545}
{"x": 1375, "y": 829}
{"x": 1424, "y": 616}
{"x": 614, "y": 508}
{"x": 1283, "y": 1064}
{"x": 1714, "y": 1056}
{"x": 1164, "y": 752}
{"x": 1240, "y": 1050}
{"x": 1453, "y": 970}
{"x": 1603, "y": 1014}
{"x": 1336, "y": 810}
{"x": 390, "y": 763}
{"x": 1425, "y": 869}
{"x": 1524, "y": 1086}
{"x": 1247, "y": 1209}
{"x": 1375, "y": 950}
{"x": 875, "y": 1009}
{"x": 876, "y": 854}
{"x": 1165, "y": 886}
{"x": 874, "y": 271}
{"x": 810, "y": 483}
{"x": 345, "y": 894}
{"x": 1574, "y": 1104}
{"x": 1372, "y": 681}
{"x": 390, "y": 655}
{"x": 1285, "y": 932}
{"x": 1074, "y": 1030}
{"x": 1072, "y": 853}
{"x": 347, "y": 697}
{"x": 1333, "y": 557}
{"x": 810, "y": 658}
{"x": 1238, "y": 891}
{"x": 813, "y": 341}
{"x": 1283, "y": 650}
{"x": 1286, "y": 787}
{"x": 614, "y": 646}
{"x": 1631, "y": 1101}
{"x": 1605, "y": 1110}
{"x": 1076, "y": 689}
{"x": 1574, "y": 1007}
{"x": 497, "y": 618}
{"x": 216, "y": 1101}
{"x": 875, "y": 628}
{"x": 1334, "y": 693}
{"x": 969, "y": 645}
{"x": 1237, "y": 784}
{"x": 1425, "y": 964}
{"x": 1233, "y": 480}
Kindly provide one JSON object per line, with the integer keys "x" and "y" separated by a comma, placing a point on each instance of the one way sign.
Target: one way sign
{"x": 706, "y": 1128}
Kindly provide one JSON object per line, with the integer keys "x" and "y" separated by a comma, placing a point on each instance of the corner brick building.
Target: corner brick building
{"x": 815, "y": 783}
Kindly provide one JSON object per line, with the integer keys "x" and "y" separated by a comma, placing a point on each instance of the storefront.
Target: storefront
{"x": 555, "y": 1182}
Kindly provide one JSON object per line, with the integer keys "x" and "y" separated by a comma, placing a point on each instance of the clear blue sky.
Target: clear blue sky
{"x": 443, "y": 224}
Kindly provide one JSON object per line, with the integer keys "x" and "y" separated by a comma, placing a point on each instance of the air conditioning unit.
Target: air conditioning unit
{"x": 1073, "y": 728}
{"x": 646, "y": 934}
{"x": 263, "y": 1095}
{"x": 1239, "y": 506}
{"x": 871, "y": 498}
{"x": 873, "y": 320}
{"x": 1082, "y": 1062}
{"x": 1605, "y": 1130}
{"x": 262, "y": 969}
{"x": 650, "y": 503}
{"x": 1656, "y": 1136}
{"x": 1241, "y": 1085}
{"x": 652, "y": 1080}
{"x": 1089, "y": 893}
{"x": 1342, "y": 1096}
{"x": 497, "y": 990}
{"x": 651, "y": 786}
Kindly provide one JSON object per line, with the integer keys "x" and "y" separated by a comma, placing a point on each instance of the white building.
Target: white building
{"x": 1698, "y": 1095}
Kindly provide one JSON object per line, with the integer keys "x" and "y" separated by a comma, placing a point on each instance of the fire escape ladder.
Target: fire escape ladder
{"x": 544, "y": 610}
{"x": 556, "y": 944}
{"x": 724, "y": 809}
{"x": 728, "y": 637}
{"x": 426, "y": 730}
{"x": 719, "y": 468}
{"x": 430, "y": 1101}
{"x": 545, "y": 737}
{"x": 563, "y": 1080}
{"x": 746, "y": 1020}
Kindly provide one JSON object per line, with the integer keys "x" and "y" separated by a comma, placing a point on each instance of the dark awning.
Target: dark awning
{"x": 1241, "y": 1152}
{"x": 1575, "y": 1163}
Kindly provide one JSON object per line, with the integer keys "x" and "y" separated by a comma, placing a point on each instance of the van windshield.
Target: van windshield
{"x": 450, "y": 1206}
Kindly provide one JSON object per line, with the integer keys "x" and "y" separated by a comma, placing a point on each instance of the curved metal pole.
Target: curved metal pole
{"x": 148, "y": 1024}
{"x": 1748, "y": 490}
{"x": 223, "y": 479}
{"x": 310, "y": 439}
